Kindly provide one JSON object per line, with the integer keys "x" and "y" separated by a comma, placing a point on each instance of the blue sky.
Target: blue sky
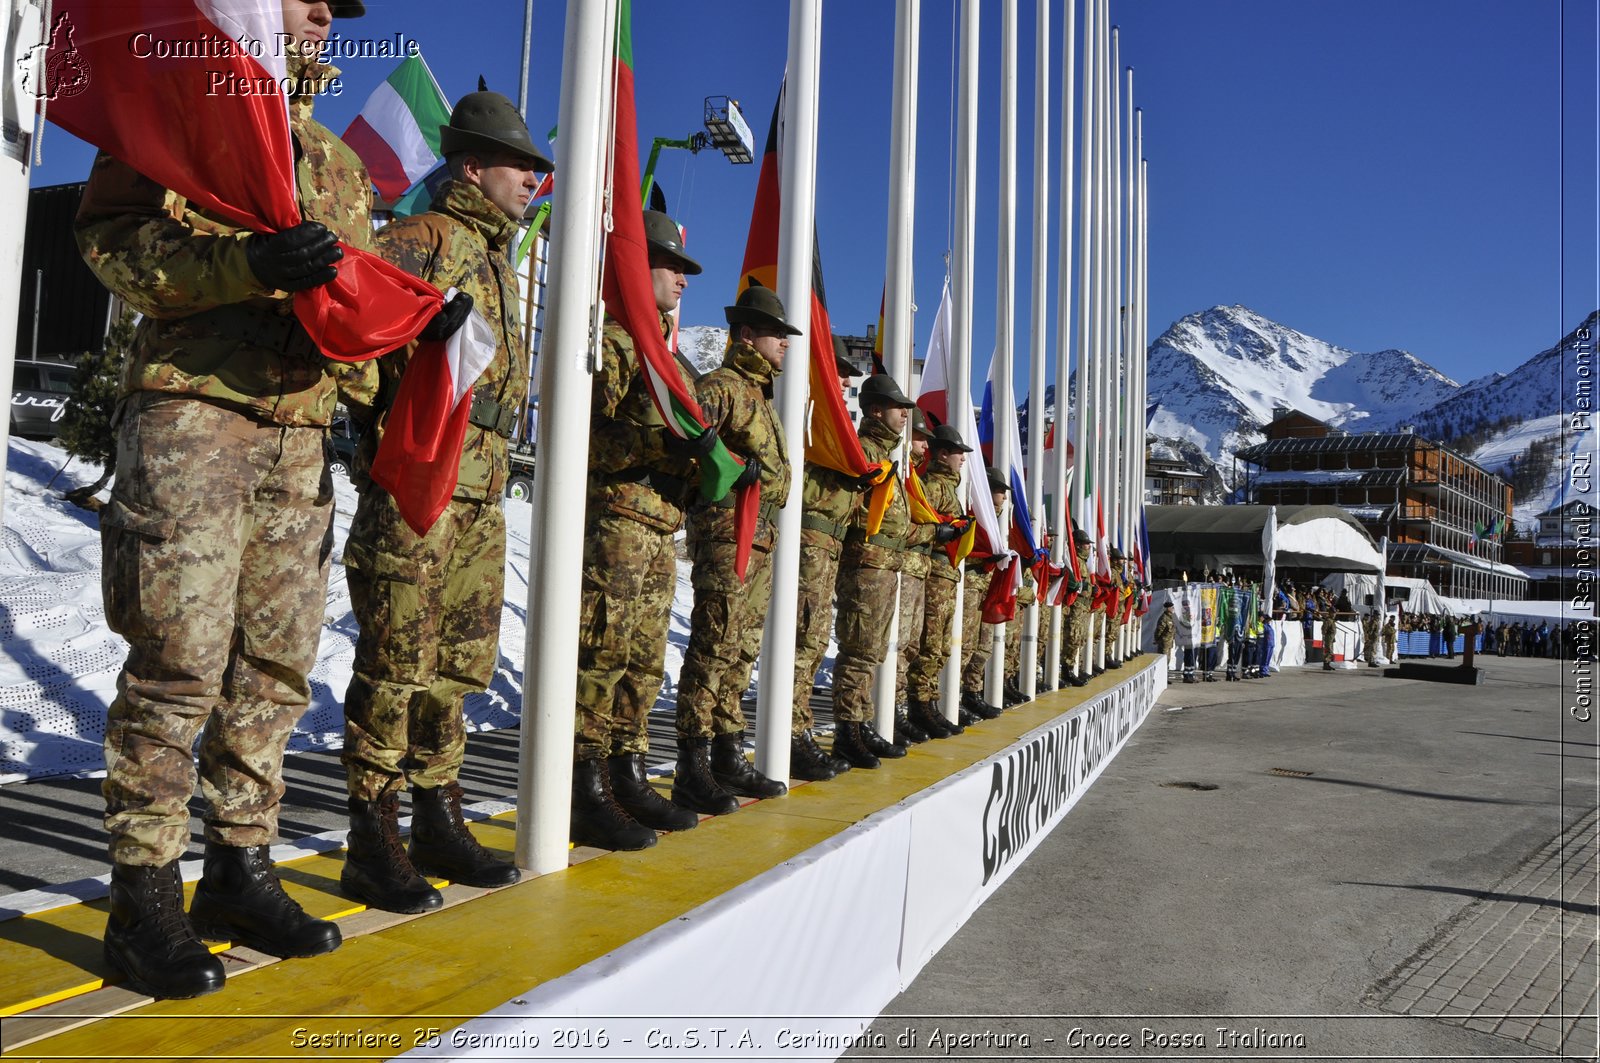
{"x": 1375, "y": 174}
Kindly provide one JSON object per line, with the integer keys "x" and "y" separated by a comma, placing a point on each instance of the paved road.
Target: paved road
{"x": 1319, "y": 864}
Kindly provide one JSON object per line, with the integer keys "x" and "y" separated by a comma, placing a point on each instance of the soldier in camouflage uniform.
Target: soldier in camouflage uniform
{"x": 977, "y": 635}
{"x": 640, "y": 477}
{"x": 1166, "y": 633}
{"x": 942, "y": 486}
{"x": 1330, "y": 633}
{"x": 1115, "y": 599}
{"x": 1369, "y": 638}
{"x": 868, "y": 578}
{"x": 725, "y": 626}
{"x": 429, "y": 604}
{"x": 1027, "y": 594}
{"x": 1079, "y": 616}
{"x": 915, "y": 564}
{"x": 830, "y": 498}
{"x": 217, "y": 537}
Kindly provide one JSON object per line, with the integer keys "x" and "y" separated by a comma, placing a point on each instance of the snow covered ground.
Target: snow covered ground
{"x": 59, "y": 664}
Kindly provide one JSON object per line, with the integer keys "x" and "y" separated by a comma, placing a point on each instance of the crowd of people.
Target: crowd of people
{"x": 218, "y": 545}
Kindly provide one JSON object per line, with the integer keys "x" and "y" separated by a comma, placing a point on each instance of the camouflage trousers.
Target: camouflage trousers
{"x": 1112, "y": 632}
{"x": 1025, "y": 597}
{"x": 977, "y": 637}
{"x": 866, "y": 604}
{"x": 1078, "y": 618}
{"x": 724, "y": 638}
{"x": 630, "y": 572}
{"x": 938, "y": 609}
{"x": 819, "y": 570}
{"x": 429, "y": 608}
{"x": 913, "y": 614}
{"x": 216, "y": 547}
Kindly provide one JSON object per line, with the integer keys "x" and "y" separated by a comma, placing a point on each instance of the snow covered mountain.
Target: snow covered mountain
{"x": 1220, "y": 373}
{"x": 702, "y": 345}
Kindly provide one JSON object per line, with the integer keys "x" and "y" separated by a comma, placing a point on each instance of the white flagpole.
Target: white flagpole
{"x": 961, "y": 284}
{"x": 1117, "y": 392}
{"x": 1141, "y": 383}
{"x": 1005, "y": 313}
{"x": 898, "y": 286}
{"x": 796, "y": 241}
{"x": 1028, "y": 659}
{"x": 1061, "y": 514}
{"x": 18, "y": 34}
{"x": 550, "y": 684}
{"x": 1084, "y": 380}
{"x": 1105, "y": 209}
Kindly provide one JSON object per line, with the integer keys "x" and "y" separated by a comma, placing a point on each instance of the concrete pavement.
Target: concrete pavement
{"x": 1331, "y": 865}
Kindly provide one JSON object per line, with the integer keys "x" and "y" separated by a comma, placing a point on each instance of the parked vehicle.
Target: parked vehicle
{"x": 39, "y": 393}
{"x": 343, "y": 436}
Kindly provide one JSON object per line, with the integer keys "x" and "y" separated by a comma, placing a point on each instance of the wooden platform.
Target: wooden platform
{"x": 396, "y": 977}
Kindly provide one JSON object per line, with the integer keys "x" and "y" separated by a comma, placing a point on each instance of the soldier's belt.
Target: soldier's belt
{"x": 490, "y": 415}
{"x": 768, "y": 510}
{"x": 664, "y": 484}
{"x": 882, "y": 539}
{"x": 259, "y": 328}
{"x": 827, "y": 527}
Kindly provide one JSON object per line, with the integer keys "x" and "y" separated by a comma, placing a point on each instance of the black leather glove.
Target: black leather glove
{"x": 946, "y": 533}
{"x": 294, "y": 259}
{"x": 750, "y": 475}
{"x": 691, "y": 449}
{"x": 449, "y": 318}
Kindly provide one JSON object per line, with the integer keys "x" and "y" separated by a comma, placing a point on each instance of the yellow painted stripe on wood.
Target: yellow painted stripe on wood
{"x": 446, "y": 967}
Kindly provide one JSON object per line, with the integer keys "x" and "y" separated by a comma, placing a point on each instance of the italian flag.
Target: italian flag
{"x": 630, "y": 299}
{"x": 397, "y": 132}
{"x": 215, "y": 130}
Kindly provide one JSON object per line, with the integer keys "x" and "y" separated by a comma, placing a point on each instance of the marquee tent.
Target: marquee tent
{"x": 1196, "y": 538}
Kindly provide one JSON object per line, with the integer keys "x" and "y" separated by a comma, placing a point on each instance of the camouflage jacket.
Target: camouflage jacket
{"x": 631, "y": 472}
{"x": 878, "y": 442}
{"x": 737, "y": 401}
{"x": 942, "y": 485}
{"x": 829, "y": 495}
{"x": 1166, "y": 628}
{"x": 210, "y": 330}
{"x": 461, "y": 243}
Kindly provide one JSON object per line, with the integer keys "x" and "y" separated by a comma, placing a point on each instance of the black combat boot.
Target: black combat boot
{"x": 693, "y": 785}
{"x": 906, "y": 730}
{"x": 1014, "y": 696}
{"x": 639, "y": 799}
{"x": 149, "y": 937}
{"x": 807, "y": 760}
{"x": 931, "y": 720}
{"x": 442, "y": 846}
{"x": 239, "y": 898}
{"x": 597, "y": 818}
{"x": 377, "y": 871}
{"x": 734, "y": 772}
{"x": 973, "y": 702}
{"x": 878, "y": 746}
{"x": 847, "y": 743}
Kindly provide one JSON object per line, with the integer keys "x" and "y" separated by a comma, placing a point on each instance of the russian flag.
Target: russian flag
{"x": 397, "y": 132}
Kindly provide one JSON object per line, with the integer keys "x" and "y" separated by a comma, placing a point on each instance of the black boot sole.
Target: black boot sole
{"x": 612, "y": 844}
{"x": 494, "y": 876}
{"x": 139, "y": 985}
{"x": 426, "y": 902}
{"x": 704, "y": 808}
{"x": 214, "y": 930}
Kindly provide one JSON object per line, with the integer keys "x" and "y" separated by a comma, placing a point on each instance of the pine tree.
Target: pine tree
{"x": 86, "y": 430}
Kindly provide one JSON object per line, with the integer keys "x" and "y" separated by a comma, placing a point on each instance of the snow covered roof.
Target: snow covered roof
{"x": 1415, "y": 552}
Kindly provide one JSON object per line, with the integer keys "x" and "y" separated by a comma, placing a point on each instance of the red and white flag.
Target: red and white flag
{"x": 213, "y": 126}
{"x": 419, "y": 460}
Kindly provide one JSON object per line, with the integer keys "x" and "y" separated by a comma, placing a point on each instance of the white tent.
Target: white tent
{"x": 1198, "y": 538}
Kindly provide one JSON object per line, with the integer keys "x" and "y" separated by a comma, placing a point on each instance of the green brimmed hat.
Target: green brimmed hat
{"x": 760, "y": 307}
{"x": 666, "y": 240}
{"x": 841, "y": 360}
{"x": 347, "y": 8}
{"x": 880, "y": 387}
{"x": 919, "y": 424}
{"x": 946, "y": 437}
{"x": 997, "y": 482}
{"x": 488, "y": 122}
